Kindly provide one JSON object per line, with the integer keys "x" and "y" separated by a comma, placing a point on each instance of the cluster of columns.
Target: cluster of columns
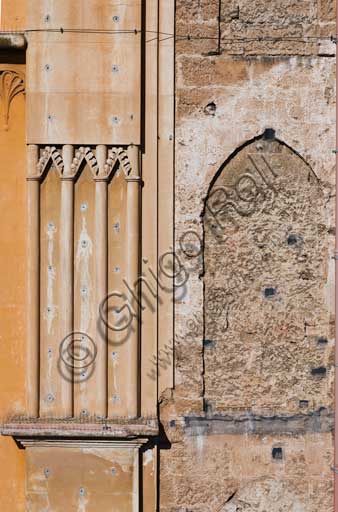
{"x": 68, "y": 176}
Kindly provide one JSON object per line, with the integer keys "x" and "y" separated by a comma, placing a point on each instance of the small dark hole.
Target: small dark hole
{"x": 208, "y": 343}
{"x": 303, "y": 403}
{"x": 210, "y": 109}
{"x": 269, "y": 134}
{"x": 292, "y": 239}
{"x": 277, "y": 453}
{"x": 322, "y": 341}
{"x": 319, "y": 372}
{"x": 207, "y": 407}
{"x": 172, "y": 423}
{"x": 270, "y": 292}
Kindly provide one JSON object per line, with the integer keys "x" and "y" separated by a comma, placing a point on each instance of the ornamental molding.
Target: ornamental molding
{"x": 12, "y": 83}
{"x": 50, "y": 154}
{"x": 116, "y": 156}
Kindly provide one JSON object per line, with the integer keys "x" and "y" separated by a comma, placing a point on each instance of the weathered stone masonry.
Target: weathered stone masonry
{"x": 250, "y": 420}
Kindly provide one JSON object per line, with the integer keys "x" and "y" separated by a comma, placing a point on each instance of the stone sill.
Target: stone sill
{"x": 12, "y": 41}
{"x": 74, "y": 429}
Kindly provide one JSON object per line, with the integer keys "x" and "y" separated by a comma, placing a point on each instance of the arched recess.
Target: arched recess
{"x": 265, "y": 271}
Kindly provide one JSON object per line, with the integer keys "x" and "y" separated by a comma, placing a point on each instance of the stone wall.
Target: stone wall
{"x": 249, "y": 423}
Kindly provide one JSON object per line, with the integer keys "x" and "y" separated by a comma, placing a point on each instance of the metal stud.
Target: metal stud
{"x": 84, "y": 290}
{"x": 116, "y": 19}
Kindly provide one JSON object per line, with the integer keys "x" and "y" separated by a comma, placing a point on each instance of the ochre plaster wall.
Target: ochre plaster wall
{"x": 13, "y": 14}
{"x": 13, "y": 295}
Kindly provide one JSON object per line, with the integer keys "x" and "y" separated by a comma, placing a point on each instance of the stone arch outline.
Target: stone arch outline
{"x": 268, "y": 134}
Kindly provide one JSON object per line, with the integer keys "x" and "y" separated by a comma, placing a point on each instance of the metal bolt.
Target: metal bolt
{"x": 116, "y": 19}
{"x": 116, "y": 227}
{"x": 82, "y": 491}
{"x": 47, "y": 67}
{"x": 47, "y": 18}
{"x": 115, "y": 398}
{"x": 84, "y": 412}
{"x": 84, "y": 290}
{"x": 116, "y": 269}
{"x": 114, "y": 356}
{"x": 47, "y": 472}
{"x": 115, "y": 68}
{"x": 84, "y": 207}
{"x": 50, "y": 226}
{"x": 49, "y": 117}
{"x": 113, "y": 471}
{"x": 50, "y": 398}
{"x": 115, "y": 120}
{"x": 84, "y": 243}
{"x": 50, "y": 352}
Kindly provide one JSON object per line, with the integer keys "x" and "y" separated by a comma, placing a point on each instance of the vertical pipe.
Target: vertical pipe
{"x": 133, "y": 263}
{"x": 33, "y": 284}
{"x": 66, "y": 266}
{"x": 101, "y": 246}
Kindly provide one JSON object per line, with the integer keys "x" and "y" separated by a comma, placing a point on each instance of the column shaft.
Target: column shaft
{"x": 33, "y": 282}
{"x": 133, "y": 269}
{"x": 101, "y": 247}
{"x": 67, "y": 281}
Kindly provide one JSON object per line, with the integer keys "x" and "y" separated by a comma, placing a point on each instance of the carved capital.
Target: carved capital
{"x": 11, "y": 83}
{"x": 84, "y": 154}
{"x": 50, "y": 153}
{"x": 121, "y": 156}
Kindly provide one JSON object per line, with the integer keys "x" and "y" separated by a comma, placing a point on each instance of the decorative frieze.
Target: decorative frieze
{"x": 12, "y": 83}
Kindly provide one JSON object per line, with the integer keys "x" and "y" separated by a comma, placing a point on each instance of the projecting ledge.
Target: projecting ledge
{"x": 12, "y": 41}
{"x": 31, "y": 432}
